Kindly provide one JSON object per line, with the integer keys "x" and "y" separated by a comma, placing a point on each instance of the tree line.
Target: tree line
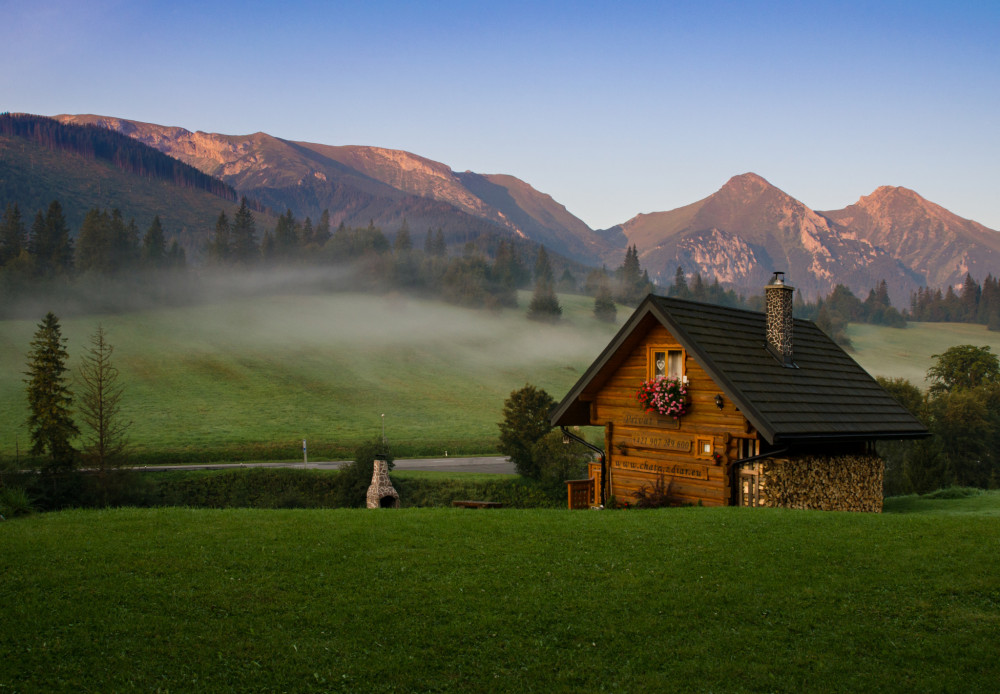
{"x": 973, "y": 303}
{"x": 961, "y": 409}
{"x": 122, "y": 151}
{"x": 106, "y": 244}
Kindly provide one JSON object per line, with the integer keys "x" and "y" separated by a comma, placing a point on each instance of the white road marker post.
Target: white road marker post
{"x": 305, "y": 457}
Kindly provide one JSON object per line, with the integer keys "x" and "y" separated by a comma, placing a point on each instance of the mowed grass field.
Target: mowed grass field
{"x": 249, "y": 379}
{"x": 909, "y": 352}
{"x": 252, "y": 378}
{"x": 439, "y": 600}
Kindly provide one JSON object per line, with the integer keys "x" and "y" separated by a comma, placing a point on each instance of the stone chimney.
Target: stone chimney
{"x": 381, "y": 493}
{"x": 778, "y": 298}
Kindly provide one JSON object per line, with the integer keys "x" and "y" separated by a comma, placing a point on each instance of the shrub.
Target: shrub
{"x": 514, "y": 492}
{"x": 525, "y": 421}
{"x": 557, "y": 462}
{"x": 655, "y": 495}
{"x": 14, "y": 501}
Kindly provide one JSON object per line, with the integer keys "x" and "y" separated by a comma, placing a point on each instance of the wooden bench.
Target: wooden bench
{"x": 477, "y": 504}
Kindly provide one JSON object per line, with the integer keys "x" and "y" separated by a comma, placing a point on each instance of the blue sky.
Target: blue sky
{"x": 611, "y": 108}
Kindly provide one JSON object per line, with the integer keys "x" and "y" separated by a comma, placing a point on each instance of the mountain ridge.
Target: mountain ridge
{"x": 740, "y": 233}
{"x": 749, "y": 227}
{"x": 378, "y": 182}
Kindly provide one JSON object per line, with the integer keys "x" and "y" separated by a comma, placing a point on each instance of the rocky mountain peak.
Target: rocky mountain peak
{"x": 748, "y": 184}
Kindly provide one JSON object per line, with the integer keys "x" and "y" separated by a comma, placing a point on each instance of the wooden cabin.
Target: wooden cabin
{"x": 777, "y": 414}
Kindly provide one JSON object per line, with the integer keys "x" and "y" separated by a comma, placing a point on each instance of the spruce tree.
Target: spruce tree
{"x": 49, "y": 398}
{"x": 244, "y": 247}
{"x": 307, "y": 235}
{"x": 402, "y": 243}
{"x": 50, "y": 244}
{"x": 629, "y": 276}
{"x": 92, "y": 244}
{"x": 284, "y": 238}
{"x": 58, "y": 245}
{"x": 154, "y": 245}
{"x": 12, "y": 234}
{"x": 322, "y": 233}
{"x": 544, "y": 304}
{"x": 604, "y": 304}
{"x": 176, "y": 257}
{"x": 543, "y": 268}
{"x": 105, "y": 440}
{"x": 220, "y": 247}
{"x": 439, "y": 248}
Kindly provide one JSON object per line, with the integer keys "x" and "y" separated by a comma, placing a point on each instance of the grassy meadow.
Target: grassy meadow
{"x": 691, "y": 599}
{"x": 909, "y": 352}
{"x": 246, "y": 379}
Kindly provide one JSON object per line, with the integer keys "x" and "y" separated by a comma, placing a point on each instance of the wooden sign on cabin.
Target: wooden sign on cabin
{"x": 742, "y": 408}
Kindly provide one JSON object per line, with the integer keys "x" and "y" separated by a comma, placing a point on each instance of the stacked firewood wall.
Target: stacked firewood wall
{"x": 837, "y": 483}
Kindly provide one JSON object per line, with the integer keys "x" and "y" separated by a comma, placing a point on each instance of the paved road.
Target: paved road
{"x": 490, "y": 464}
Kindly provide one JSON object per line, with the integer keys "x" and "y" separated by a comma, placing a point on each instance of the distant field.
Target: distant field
{"x": 250, "y": 379}
{"x": 908, "y": 352}
{"x": 253, "y": 378}
{"x": 439, "y": 600}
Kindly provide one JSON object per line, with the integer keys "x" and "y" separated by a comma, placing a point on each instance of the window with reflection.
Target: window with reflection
{"x": 666, "y": 363}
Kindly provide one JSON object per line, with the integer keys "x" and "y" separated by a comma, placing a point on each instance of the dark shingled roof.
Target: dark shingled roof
{"x": 827, "y": 397}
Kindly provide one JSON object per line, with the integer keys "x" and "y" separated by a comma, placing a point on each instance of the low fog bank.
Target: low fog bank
{"x": 306, "y": 307}
{"x": 268, "y": 355}
{"x": 95, "y": 294}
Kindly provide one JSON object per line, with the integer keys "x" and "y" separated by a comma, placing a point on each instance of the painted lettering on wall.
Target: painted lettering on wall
{"x": 647, "y": 419}
{"x": 689, "y": 470}
{"x": 666, "y": 443}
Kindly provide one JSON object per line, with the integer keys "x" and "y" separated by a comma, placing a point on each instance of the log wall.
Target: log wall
{"x": 641, "y": 446}
{"x": 827, "y": 483}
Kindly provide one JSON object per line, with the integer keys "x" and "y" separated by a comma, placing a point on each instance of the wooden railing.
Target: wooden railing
{"x": 580, "y": 493}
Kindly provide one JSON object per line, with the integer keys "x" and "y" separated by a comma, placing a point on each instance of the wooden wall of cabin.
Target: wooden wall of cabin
{"x": 640, "y": 446}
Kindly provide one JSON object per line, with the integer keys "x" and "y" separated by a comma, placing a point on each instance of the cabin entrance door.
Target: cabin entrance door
{"x": 748, "y": 485}
{"x": 746, "y": 477}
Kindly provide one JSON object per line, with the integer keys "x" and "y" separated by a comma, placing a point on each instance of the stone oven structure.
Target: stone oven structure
{"x": 381, "y": 493}
{"x": 777, "y": 414}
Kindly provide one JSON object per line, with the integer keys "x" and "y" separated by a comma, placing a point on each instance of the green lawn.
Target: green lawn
{"x": 251, "y": 379}
{"x": 692, "y": 599}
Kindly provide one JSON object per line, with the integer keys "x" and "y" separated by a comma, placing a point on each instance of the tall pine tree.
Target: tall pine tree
{"x": 244, "y": 247}
{"x": 12, "y": 234}
{"x": 544, "y": 304}
{"x": 220, "y": 247}
{"x": 50, "y": 421}
{"x": 100, "y": 399}
{"x": 154, "y": 245}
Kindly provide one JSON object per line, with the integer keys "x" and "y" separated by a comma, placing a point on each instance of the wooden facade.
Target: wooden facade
{"x": 746, "y": 401}
{"x": 693, "y": 452}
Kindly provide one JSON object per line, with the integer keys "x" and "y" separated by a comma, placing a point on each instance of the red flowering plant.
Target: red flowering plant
{"x": 666, "y": 396}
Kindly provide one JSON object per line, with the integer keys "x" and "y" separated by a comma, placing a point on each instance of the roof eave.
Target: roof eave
{"x": 568, "y": 406}
{"x": 752, "y": 414}
{"x": 791, "y": 439}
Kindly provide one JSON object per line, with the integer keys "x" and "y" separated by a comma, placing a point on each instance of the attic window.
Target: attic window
{"x": 663, "y": 362}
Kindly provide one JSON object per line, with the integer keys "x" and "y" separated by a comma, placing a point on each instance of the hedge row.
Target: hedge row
{"x": 261, "y": 488}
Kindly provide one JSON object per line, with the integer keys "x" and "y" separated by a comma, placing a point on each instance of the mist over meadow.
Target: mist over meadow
{"x": 266, "y": 358}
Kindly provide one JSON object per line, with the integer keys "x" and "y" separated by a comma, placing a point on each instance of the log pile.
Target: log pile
{"x": 835, "y": 483}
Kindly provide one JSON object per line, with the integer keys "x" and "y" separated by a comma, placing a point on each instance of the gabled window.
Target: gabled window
{"x": 665, "y": 362}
